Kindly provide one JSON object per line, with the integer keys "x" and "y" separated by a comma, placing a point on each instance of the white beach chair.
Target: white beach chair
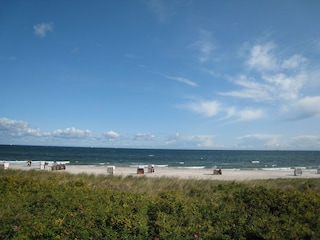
{"x": 42, "y": 165}
{"x": 4, "y": 165}
{"x": 111, "y": 170}
{"x": 151, "y": 168}
{"x": 297, "y": 171}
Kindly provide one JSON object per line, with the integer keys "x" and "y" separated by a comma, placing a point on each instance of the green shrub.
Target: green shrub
{"x": 42, "y": 205}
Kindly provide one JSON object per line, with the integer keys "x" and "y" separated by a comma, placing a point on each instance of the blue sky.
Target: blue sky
{"x": 161, "y": 74}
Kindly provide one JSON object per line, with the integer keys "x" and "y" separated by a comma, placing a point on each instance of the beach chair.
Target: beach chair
{"x": 42, "y": 165}
{"x": 297, "y": 171}
{"x": 150, "y": 169}
{"x": 318, "y": 170}
{"x": 140, "y": 170}
{"x": 216, "y": 171}
{"x": 4, "y": 165}
{"x": 49, "y": 166}
{"x": 111, "y": 170}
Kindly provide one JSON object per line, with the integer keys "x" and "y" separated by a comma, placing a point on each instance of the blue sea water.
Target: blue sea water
{"x": 226, "y": 159}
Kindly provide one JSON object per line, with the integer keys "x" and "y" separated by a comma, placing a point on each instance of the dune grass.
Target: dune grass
{"x": 50, "y": 205}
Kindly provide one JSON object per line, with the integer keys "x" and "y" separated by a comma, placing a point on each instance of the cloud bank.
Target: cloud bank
{"x": 20, "y": 132}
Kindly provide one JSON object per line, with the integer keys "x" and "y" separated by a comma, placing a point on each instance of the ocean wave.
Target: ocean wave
{"x": 193, "y": 167}
{"x": 277, "y": 169}
{"x": 13, "y": 162}
{"x": 161, "y": 165}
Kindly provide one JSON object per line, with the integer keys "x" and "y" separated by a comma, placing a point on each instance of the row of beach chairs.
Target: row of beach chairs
{"x": 54, "y": 166}
{"x": 140, "y": 170}
{"x": 51, "y": 166}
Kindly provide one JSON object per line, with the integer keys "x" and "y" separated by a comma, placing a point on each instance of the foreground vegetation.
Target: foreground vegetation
{"x": 45, "y": 205}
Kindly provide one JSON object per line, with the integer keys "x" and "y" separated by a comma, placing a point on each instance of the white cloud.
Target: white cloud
{"x": 281, "y": 85}
{"x": 286, "y": 83}
{"x": 42, "y": 29}
{"x": 230, "y": 112}
{"x": 213, "y": 108}
{"x": 293, "y": 62}
{"x": 274, "y": 87}
{"x": 303, "y": 108}
{"x": 275, "y": 141}
{"x": 15, "y": 128}
{"x": 71, "y": 133}
{"x": 286, "y": 87}
{"x": 306, "y": 142}
{"x": 144, "y": 137}
{"x": 207, "y": 108}
{"x": 179, "y": 79}
{"x": 201, "y": 141}
{"x": 162, "y": 9}
{"x": 204, "y": 45}
{"x": 251, "y": 89}
{"x": 172, "y": 139}
{"x": 182, "y": 80}
{"x": 260, "y": 140}
{"x": 250, "y": 114}
{"x": 261, "y": 57}
{"x": 243, "y": 115}
{"x": 111, "y": 135}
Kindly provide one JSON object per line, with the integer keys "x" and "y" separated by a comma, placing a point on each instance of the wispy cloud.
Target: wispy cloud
{"x": 260, "y": 141}
{"x": 249, "y": 114}
{"x": 42, "y": 29}
{"x": 202, "y": 141}
{"x": 261, "y": 57}
{"x": 306, "y": 141}
{"x": 243, "y": 115}
{"x": 269, "y": 87}
{"x": 211, "y": 108}
{"x": 277, "y": 80}
{"x": 251, "y": 89}
{"x": 179, "y": 79}
{"x": 206, "y": 108}
{"x": 162, "y": 9}
{"x": 182, "y": 80}
{"x": 276, "y": 141}
{"x": 144, "y": 137}
{"x": 302, "y": 108}
{"x": 285, "y": 87}
{"x": 172, "y": 139}
{"x": 295, "y": 61}
{"x": 204, "y": 45}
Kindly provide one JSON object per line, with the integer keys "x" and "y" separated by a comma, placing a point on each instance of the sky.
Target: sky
{"x": 168, "y": 74}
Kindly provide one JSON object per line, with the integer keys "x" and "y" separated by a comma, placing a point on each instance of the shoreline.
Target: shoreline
{"x": 182, "y": 173}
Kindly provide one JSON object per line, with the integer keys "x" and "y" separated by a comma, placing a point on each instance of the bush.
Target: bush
{"x": 37, "y": 205}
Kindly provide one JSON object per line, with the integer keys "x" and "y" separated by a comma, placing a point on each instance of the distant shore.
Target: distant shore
{"x": 183, "y": 173}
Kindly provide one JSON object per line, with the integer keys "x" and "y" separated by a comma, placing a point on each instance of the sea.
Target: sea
{"x": 196, "y": 159}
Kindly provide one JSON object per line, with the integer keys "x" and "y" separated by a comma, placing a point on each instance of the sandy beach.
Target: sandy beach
{"x": 185, "y": 173}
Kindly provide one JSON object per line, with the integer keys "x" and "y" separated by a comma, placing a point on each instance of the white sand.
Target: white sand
{"x": 227, "y": 174}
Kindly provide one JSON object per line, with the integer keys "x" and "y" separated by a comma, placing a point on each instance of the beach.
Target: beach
{"x": 182, "y": 173}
